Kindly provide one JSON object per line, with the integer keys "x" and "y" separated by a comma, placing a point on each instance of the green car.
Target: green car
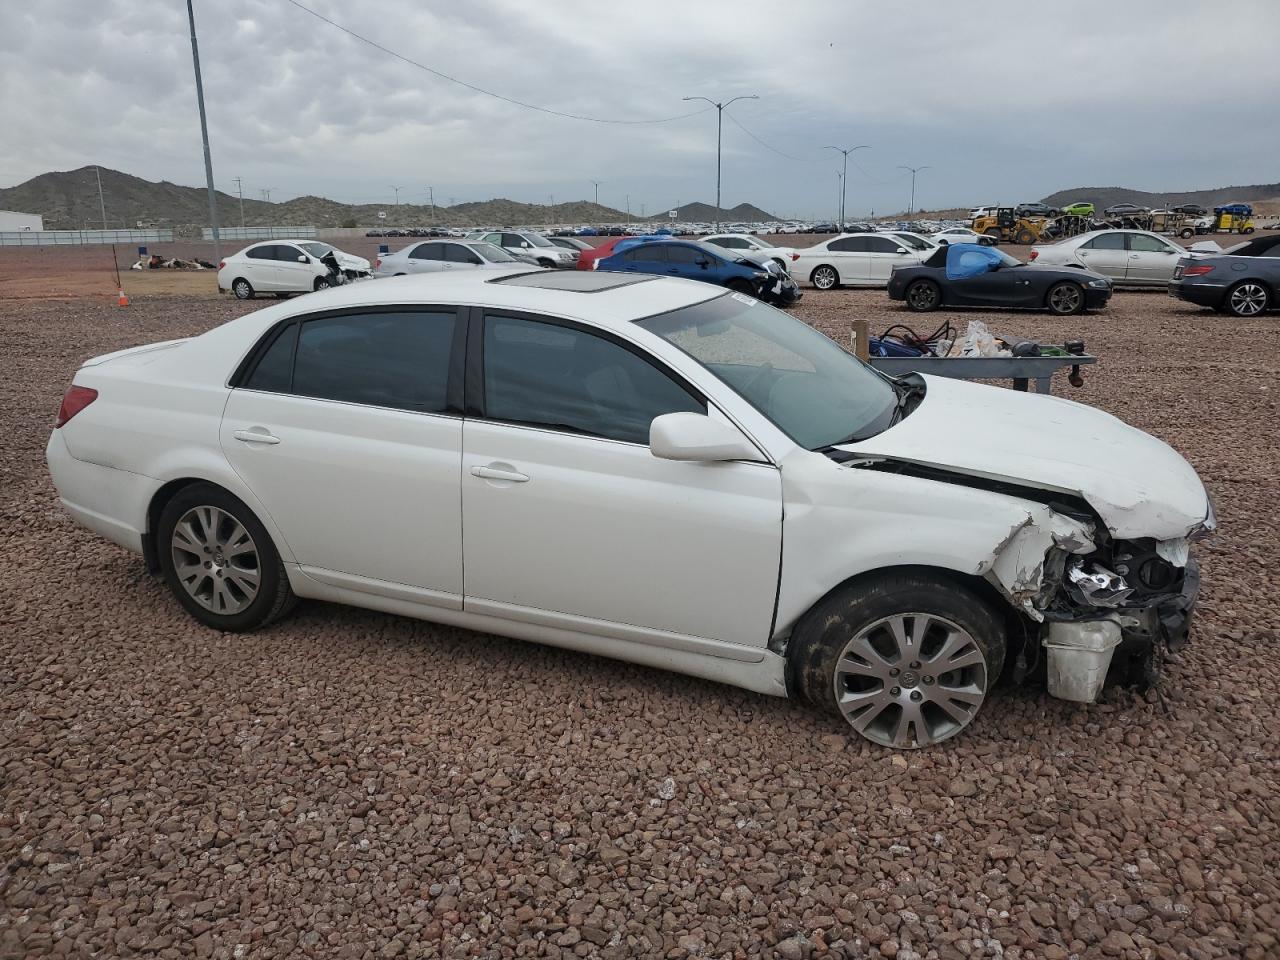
{"x": 1078, "y": 210}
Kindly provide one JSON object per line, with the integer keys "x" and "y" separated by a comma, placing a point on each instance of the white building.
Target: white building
{"x": 9, "y": 220}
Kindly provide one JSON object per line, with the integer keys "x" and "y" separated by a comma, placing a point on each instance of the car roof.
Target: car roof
{"x": 612, "y": 307}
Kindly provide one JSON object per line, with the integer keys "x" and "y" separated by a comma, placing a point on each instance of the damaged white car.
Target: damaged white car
{"x": 646, "y": 468}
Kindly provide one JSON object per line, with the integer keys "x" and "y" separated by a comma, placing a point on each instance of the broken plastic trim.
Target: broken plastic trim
{"x": 1099, "y": 588}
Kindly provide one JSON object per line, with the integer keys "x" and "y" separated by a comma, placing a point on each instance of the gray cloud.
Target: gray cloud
{"x": 1005, "y": 100}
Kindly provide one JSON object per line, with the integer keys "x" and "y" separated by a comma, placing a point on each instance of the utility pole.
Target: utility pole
{"x": 914, "y": 171}
{"x": 719, "y": 131}
{"x": 642, "y": 211}
{"x": 844, "y": 178}
{"x": 431, "y": 196}
{"x": 101, "y": 203}
{"x": 628, "y": 206}
{"x": 266, "y": 194}
{"x": 397, "y": 190}
{"x": 597, "y": 186}
{"x": 240, "y": 193}
{"x": 204, "y": 136}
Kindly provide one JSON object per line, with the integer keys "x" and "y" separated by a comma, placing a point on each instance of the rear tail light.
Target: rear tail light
{"x": 377, "y": 263}
{"x": 795, "y": 256}
{"x": 1199, "y": 270}
{"x": 222, "y": 264}
{"x": 1033, "y": 254}
{"x": 73, "y": 401}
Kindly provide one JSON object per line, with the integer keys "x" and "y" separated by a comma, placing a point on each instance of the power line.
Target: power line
{"x": 769, "y": 146}
{"x": 472, "y": 86}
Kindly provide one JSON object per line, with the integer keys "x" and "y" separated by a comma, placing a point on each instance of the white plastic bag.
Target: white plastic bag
{"x": 979, "y": 342}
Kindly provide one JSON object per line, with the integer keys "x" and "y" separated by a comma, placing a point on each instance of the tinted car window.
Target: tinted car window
{"x": 262, "y": 252}
{"x": 548, "y": 375}
{"x": 688, "y": 255}
{"x": 428, "y": 251}
{"x": 849, "y": 245}
{"x": 457, "y": 253}
{"x": 288, "y": 254}
{"x": 1145, "y": 244}
{"x": 882, "y": 245}
{"x": 396, "y": 360}
{"x": 514, "y": 240}
{"x": 646, "y": 253}
{"x": 274, "y": 371}
{"x": 732, "y": 243}
{"x": 1107, "y": 241}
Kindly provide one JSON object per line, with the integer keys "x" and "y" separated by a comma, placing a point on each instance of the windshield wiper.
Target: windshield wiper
{"x": 909, "y": 390}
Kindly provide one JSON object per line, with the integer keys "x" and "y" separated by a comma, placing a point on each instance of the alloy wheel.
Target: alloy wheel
{"x": 911, "y": 680}
{"x": 1248, "y": 300}
{"x": 216, "y": 560}
{"x": 242, "y": 290}
{"x": 923, "y": 296}
{"x": 1065, "y": 298}
{"x": 824, "y": 278}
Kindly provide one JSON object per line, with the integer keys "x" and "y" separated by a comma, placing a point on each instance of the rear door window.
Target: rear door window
{"x": 428, "y": 251}
{"x": 848, "y": 245}
{"x": 1106, "y": 241}
{"x": 457, "y": 253}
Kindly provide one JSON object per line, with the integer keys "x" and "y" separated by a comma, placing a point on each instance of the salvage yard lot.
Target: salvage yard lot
{"x": 348, "y": 783}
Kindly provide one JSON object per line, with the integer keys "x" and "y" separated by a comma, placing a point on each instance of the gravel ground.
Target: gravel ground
{"x": 350, "y": 784}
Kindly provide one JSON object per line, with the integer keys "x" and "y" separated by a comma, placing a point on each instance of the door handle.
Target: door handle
{"x": 256, "y": 436}
{"x": 494, "y": 472}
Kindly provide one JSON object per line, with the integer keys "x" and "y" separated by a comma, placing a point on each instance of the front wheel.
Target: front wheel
{"x": 1186, "y": 233}
{"x": 1025, "y": 237}
{"x": 923, "y": 296}
{"x": 219, "y": 560}
{"x": 1248, "y": 299}
{"x": 1065, "y": 299}
{"x": 906, "y": 659}
{"x": 825, "y": 278}
{"x": 323, "y": 283}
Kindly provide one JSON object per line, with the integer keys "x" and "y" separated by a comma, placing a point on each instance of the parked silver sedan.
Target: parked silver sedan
{"x": 1133, "y": 258}
{"x": 435, "y": 256}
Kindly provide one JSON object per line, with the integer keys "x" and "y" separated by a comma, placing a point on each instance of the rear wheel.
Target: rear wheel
{"x": 825, "y": 278}
{"x": 1065, "y": 299}
{"x": 992, "y": 232}
{"x": 907, "y": 659}
{"x": 1186, "y": 233}
{"x": 1248, "y": 299}
{"x": 219, "y": 560}
{"x": 923, "y": 296}
{"x": 242, "y": 289}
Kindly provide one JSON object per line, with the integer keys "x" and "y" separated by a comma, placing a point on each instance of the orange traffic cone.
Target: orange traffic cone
{"x": 123, "y": 301}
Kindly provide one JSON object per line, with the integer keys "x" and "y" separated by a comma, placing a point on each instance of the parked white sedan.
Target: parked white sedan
{"x": 963, "y": 235}
{"x": 1132, "y": 258}
{"x": 436, "y": 256}
{"x": 287, "y": 266}
{"x": 758, "y": 247}
{"x": 855, "y": 260}
{"x": 647, "y": 468}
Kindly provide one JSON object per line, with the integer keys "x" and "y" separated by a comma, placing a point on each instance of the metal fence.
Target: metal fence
{"x": 48, "y": 238}
{"x": 259, "y": 233}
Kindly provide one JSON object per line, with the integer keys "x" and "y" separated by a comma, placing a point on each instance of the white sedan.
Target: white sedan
{"x": 648, "y": 468}
{"x": 963, "y": 235}
{"x": 855, "y": 260}
{"x": 287, "y": 266}
{"x": 758, "y": 247}
{"x": 1133, "y": 258}
{"x": 436, "y": 256}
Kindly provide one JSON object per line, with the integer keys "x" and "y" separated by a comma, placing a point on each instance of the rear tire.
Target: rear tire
{"x": 219, "y": 560}
{"x": 1248, "y": 299}
{"x": 825, "y": 277}
{"x": 1065, "y": 299}
{"x": 906, "y": 658}
{"x": 242, "y": 289}
{"x": 922, "y": 296}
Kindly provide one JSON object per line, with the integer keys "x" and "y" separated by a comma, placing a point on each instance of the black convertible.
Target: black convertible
{"x": 970, "y": 275}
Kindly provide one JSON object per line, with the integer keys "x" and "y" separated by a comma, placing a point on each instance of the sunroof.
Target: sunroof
{"x": 575, "y": 281}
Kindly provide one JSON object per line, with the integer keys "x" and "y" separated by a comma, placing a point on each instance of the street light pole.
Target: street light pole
{"x": 914, "y": 171}
{"x": 596, "y": 184}
{"x": 204, "y": 135}
{"x": 844, "y": 177}
{"x": 240, "y": 193}
{"x": 719, "y": 139}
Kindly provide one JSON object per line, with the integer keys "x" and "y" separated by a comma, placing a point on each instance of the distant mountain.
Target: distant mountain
{"x": 69, "y": 200}
{"x": 706, "y": 213}
{"x": 1102, "y": 197}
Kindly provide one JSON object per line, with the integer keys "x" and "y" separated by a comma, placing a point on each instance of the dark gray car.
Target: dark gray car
{"x": 1243, "y": 280}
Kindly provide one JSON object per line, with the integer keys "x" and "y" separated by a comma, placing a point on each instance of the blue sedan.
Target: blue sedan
{"x": 701, "y": 261}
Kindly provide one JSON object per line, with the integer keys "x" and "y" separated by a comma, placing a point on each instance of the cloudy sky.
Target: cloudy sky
{"x": 1004, "y": 100}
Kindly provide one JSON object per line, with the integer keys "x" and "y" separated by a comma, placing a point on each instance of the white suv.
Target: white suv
{"x": 287, "y": 266}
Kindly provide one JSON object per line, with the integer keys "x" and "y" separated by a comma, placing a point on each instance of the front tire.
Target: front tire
{"x": 1247, "y": 299}
{"x": 825, "y": 277}
{"x": 1025, "y": 237}
{"x": 242, "y": 289}
{"x": 923, "y": 296}
{"x": 1065, "y": 299}
{"x": 907, "y": 659}
{"x": 322, "y": 283}
{"x": 219, "y": 560}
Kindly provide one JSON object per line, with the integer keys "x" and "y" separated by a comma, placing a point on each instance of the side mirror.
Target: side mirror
{"x": 901, "y": 251}
{"x": 695, "y": 436}
{"x": 302, "y": 258}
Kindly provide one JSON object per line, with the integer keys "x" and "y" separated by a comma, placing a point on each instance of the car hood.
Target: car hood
{"x": 350, "y": 262}
{"x": 1138, "y": 485}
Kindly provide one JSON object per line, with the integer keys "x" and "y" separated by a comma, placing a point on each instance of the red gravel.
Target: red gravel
{"x": 351, "y": 784}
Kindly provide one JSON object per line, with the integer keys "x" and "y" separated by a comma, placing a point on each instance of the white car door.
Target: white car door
{"x": 883, "y": 254}
{"x": 569, "y": 520}
{"x": 348, "y": 428}
{"x": 1105, "y": 254}
{"x": 849, "y": 256}
{"x": 260, "y": 268}
{"x": 1151, "y": 259}
{"x": 295, "y": 270}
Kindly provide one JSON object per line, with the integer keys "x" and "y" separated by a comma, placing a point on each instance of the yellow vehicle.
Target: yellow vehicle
{"x": 1004, "y": 224}
{"x": 1233, "y": 218}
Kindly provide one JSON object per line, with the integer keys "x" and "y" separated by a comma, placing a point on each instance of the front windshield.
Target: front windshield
{"x": 316, "y": 249}
{"x": 813, "y": 390}
{"x": 911, "y": 240}
{"x": 537, "y": 240}
{"x": 491, "y": 253}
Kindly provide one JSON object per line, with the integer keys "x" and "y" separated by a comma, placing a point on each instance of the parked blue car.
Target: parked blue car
{"x": 702, "y": 261}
